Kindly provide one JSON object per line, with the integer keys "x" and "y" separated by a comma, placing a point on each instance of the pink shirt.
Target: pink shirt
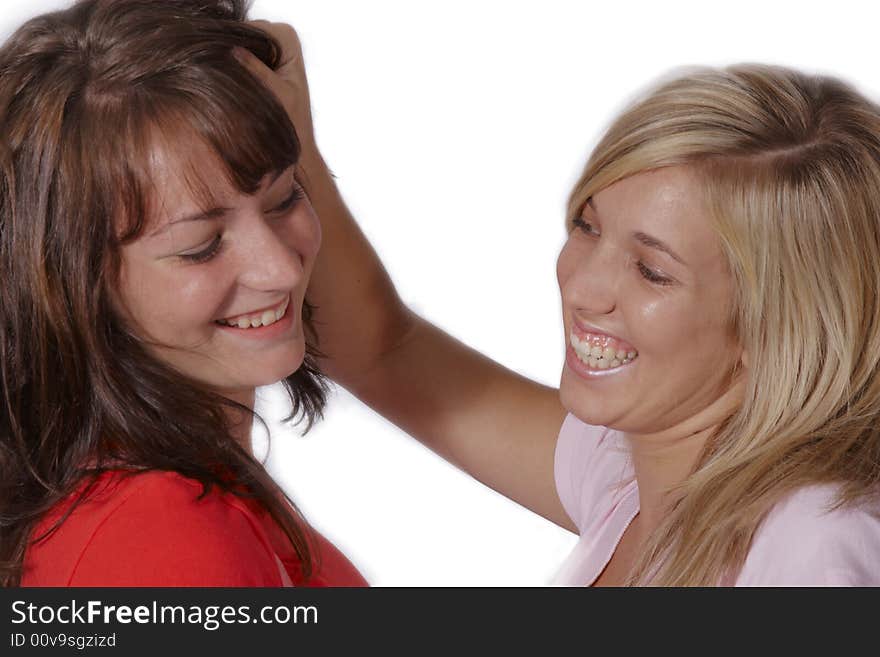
{"x": 800, "y": 543}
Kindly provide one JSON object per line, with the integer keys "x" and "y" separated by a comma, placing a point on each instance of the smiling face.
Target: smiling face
{"x": 646, "y": 305}
{"x": 219, "y": 295}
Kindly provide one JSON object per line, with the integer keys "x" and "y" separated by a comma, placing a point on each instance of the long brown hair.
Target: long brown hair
{"x": 789, "y": 165}
{"x": 82, "y": 91}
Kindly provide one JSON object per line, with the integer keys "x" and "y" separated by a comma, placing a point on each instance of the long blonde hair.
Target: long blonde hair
{"x": 790, "y": 167}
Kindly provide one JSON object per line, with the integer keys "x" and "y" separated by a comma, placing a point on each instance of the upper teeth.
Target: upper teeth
{"x": 264, "y": 318}
{"x": 601, "y": 351}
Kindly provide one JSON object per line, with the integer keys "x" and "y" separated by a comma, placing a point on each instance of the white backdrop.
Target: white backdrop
{"x": 456, "y": 129}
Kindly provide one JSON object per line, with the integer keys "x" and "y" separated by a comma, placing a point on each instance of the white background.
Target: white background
{"x": 456, "y": 130}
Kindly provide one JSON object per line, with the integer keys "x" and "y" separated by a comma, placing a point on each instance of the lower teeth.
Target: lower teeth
{"x": 604, "y": 364}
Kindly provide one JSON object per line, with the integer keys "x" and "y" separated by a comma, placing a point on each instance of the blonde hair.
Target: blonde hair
{"x": 790, "y": 167}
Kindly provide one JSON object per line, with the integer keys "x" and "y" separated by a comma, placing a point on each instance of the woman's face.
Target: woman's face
{"x": 219, "y": 295}
{"x": 646, "y": 304}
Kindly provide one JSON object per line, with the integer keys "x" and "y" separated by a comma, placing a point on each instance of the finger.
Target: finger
{"x": 255, "y": 65}
{"x": 285, "y": 35}
{"x": 282, "y": 31}
{"x": 275, "y": 84}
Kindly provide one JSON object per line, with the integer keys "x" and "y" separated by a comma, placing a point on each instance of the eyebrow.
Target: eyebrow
{"x": 654, "y": 243}
{"x": 647, "y": 240}
{"x": 213, "y": 213}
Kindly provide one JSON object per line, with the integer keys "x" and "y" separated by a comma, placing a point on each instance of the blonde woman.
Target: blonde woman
{"x": 718, "y": 417}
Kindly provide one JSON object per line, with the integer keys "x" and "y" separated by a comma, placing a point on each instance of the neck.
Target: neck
{"x": 664, "y": 459}
{"x": 240, "y": 422}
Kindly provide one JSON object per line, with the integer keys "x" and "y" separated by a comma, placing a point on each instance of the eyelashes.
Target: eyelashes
{"x": 206, "y": 254}
{"x": 586, "y": 227}
{"x": 580, "y": 224}
{"x": 650, "y": 275}
{"x": 296, "y": 195}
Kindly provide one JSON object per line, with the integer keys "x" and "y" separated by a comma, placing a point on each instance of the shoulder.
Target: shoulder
{"x": 591, "y": 466}
{"x": 157, "y": 529}
{"x": 804, "y": 541}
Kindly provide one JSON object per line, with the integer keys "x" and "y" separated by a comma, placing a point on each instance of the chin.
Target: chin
{"x": 287, "y": 363}
{"x": 586, "y": 405}
{"x": 269, "y": 376}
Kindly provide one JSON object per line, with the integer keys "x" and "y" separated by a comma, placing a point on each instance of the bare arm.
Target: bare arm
{"x": 496, "y": 425}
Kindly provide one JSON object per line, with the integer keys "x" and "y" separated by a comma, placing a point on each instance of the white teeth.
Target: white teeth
{"x": 597, "y": 356}
{"x": 266, "y": 318}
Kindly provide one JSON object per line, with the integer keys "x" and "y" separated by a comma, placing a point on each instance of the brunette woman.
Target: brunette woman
{"x": 155, "y": 250}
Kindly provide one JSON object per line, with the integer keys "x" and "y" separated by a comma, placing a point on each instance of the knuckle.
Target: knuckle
{"x": 288, "y": 31}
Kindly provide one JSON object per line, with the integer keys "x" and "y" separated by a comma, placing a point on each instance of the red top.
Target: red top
{"x": 150, "y": 529}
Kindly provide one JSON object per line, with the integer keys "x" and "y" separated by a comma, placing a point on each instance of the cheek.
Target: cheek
{"x": 566, "y": 264}
{"x": 664, "y": 324}
{"x": 317, "y": 232}
{"x": 137, "y": 293}
{"x": 684, "y": 333}
{"x": 573, "y": 274}
{"x": 171, "y": 309}
{"x": 661, "y": 317}
{"x": 305, "y": 237}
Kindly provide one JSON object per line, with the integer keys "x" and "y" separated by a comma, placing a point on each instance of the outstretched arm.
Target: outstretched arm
{"x": 496, "y": 425}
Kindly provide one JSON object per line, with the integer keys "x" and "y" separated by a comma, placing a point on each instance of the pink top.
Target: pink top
{"x": 800, "y": 543}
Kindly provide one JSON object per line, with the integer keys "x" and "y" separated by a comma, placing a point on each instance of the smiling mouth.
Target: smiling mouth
{"x": 601, "y": 352}
{"x": 258, "y": 319}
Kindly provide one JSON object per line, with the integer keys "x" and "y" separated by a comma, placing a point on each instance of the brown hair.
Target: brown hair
{"x": 82, "y": 92}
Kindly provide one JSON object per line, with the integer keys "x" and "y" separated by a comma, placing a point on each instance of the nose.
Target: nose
{"x": 267, "y": 260}
{"x": 588, "y": 278}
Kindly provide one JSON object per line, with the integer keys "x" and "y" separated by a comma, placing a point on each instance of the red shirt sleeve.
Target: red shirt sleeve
{"x": 160, "y": 534}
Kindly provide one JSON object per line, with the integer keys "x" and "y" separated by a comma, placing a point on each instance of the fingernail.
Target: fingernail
{"x": 239, "y": 53}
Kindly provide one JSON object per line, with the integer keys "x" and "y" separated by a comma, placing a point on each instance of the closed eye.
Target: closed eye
{"x": 652, "y": 276}
{"x": 296, "y": 195}
{"x": 589, "y": 228}
{"x": 205, "y": 254}
{"x": 585, "y": 226}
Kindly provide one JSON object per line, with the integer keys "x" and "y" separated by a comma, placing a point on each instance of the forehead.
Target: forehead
{"x": 185, "y": 175}
{"x": 664, "y": 203}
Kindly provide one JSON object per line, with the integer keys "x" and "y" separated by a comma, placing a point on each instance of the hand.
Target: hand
{"x": 288, "y": 82}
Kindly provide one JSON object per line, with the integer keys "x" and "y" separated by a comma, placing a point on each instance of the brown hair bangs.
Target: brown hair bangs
{"x": 86, "y": 97}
